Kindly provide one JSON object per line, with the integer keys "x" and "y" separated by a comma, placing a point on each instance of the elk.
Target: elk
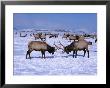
{"x": 39, "y": 46}
{"x": 81, "y": 38}
{"x": 40, "y": 36}
{"x": 77, "y": 46}
{"x": 72, "y": 37}
{"x": 21, "y": 35}
{"x": 36, "y": 36}
{"x": 43, "y": 37}
{"x": 66, "y": 35}
{"x": 53, "y": 35}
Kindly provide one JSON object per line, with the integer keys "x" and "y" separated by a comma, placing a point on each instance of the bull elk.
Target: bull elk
{"x": 39, "y": 46}
{"x": 40, "y": 36}
{"x": 72, "y": 37}
{"x": 75, "y": 46}
{"x": 43, "y": 37}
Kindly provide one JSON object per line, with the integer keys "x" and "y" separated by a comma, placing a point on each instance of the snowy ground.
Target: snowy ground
{"x": 57, "y": 64}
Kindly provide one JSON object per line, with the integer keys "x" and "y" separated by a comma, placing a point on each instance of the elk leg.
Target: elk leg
{"x": 84, "y": 52}
{"x": 76, "y": 54}
{"x": 43, "y": 54}
{"x": 88, "y": 53}
{"x": 28, "y": 52}
{"x": 73, "y": 53}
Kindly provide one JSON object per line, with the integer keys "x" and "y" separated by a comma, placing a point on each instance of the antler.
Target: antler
{"x": 61, "y": 44}
{"x": 57, "y": 46}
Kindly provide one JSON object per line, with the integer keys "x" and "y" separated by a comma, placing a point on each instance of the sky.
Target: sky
{"x": 86, "y": 22}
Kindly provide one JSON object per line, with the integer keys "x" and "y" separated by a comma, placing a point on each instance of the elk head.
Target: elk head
{"x": 68, "y": 48}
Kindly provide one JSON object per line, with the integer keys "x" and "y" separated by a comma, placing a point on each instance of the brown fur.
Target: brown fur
{"x": 39, "y": 46}
{"x": 77, "y": 46}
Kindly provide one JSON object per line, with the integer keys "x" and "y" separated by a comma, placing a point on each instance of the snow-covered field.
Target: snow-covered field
{"x": 57, "y": 64}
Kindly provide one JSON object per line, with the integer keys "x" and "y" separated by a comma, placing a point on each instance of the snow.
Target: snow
{"x": 57, "y": 64}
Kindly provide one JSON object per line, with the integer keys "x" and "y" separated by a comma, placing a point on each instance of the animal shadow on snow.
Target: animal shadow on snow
{"x": 71, "y": 55}
{"x": 93, "y": 50}
{"x": 41, "y": 57}
{"x": 51, "y": 57}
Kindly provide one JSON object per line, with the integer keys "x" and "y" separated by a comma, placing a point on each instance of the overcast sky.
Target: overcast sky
{"x": 69, "y": 21}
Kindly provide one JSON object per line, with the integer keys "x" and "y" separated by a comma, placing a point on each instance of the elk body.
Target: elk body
{"x": 81, "y": 45}
{"x": 39, "y": 46}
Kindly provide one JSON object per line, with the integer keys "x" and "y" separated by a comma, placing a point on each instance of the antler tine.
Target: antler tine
{"x": 61, "y": 44}
{"x": 57, "y": 46}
